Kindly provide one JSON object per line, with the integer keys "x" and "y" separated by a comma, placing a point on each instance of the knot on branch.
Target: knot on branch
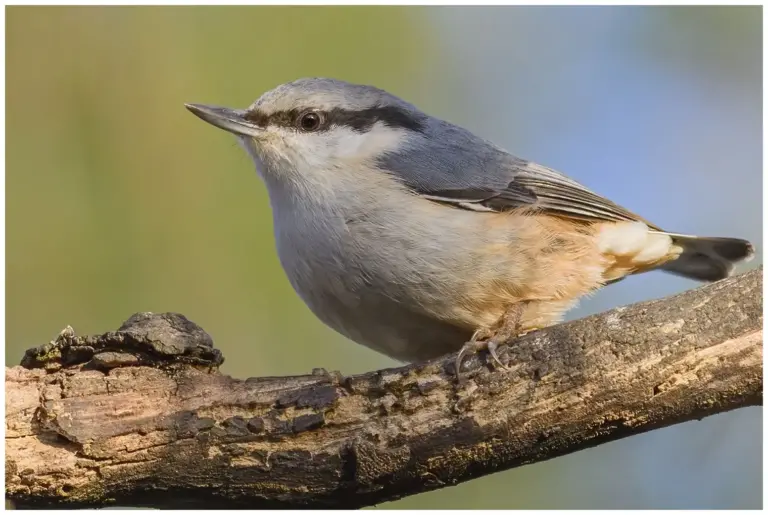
{"x": 145, "y": 339}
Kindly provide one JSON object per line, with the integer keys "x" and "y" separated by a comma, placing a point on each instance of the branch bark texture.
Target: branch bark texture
{"x": 142, "y": 417}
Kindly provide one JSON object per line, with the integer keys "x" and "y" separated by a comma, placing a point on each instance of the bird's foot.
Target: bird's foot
{"x": 476, "y": 345}
{"x": 505, "y": 329}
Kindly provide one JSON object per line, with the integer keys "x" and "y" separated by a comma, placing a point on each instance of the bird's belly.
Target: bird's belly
{"x": 370, "y": 318}
{"x": 416, "y": 291}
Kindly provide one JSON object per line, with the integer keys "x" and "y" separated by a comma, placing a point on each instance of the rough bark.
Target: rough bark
{"x": 142, "y": 417}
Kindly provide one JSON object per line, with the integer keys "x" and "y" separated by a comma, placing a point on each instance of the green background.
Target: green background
{"x": 118, "y": 200}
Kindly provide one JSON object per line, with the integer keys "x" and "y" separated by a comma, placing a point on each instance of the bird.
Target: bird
{"x": 414, "y": 237}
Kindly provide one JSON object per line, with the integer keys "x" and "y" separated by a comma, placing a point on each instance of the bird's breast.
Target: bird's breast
{"x": 375, "y": 276}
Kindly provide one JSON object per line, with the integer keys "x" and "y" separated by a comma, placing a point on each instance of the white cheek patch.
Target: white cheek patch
{"x": 368, "y": 145}
{"x": 635, "y": 241}
{"x": 344, "y": 145}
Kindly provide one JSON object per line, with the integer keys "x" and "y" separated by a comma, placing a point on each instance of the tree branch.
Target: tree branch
{"x": 142, "y": 417}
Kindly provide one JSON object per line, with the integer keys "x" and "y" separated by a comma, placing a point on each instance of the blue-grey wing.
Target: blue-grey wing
{"x": 536, "y": 186}
{"x": 455, "y": 167}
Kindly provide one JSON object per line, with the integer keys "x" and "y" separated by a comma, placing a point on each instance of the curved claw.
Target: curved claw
{"x": 459, "y": 358}
{"x": 471, "y": 347}
{"x": 492, "y": 346}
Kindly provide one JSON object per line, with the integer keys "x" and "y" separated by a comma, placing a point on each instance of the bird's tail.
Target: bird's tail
{"x": 707, "y": 258}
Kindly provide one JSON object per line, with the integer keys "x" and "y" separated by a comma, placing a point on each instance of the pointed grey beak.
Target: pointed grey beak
{"x": 231, "y": 120}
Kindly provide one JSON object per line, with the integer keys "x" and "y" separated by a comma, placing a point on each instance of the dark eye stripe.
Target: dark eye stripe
{"x": 257, "y": 118}
{"x": 360, "y": 121}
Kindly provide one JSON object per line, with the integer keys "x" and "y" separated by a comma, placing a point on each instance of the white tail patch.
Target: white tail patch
{"x": 622, "y": 239}
{"x": 634, "y": 246}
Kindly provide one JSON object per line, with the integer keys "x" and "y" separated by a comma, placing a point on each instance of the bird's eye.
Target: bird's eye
{"x": 310, "y": 121}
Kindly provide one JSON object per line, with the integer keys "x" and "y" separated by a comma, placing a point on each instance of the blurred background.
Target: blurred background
{"x": 119, "y": 200}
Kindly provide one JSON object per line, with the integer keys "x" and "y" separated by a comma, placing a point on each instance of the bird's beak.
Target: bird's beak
{"x": 231, "y": 120}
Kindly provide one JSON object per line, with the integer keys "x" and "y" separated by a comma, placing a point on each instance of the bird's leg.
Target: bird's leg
{"x": 507, "y": 327}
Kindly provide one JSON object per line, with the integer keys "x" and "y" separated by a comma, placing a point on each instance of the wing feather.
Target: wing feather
{"x": 536, "y": 186}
